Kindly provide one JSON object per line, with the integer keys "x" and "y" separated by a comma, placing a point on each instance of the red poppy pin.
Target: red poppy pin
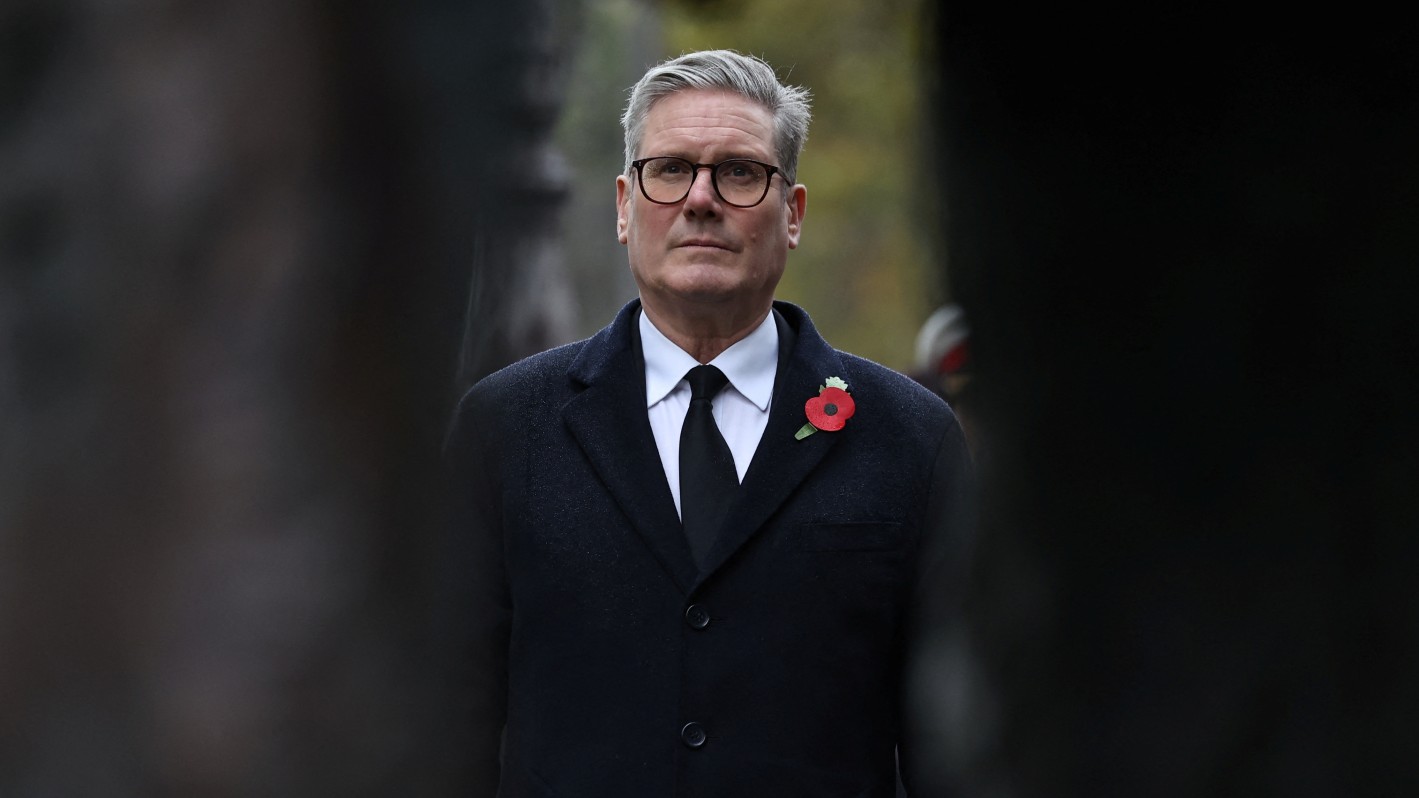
{"x": 829, "y": 410}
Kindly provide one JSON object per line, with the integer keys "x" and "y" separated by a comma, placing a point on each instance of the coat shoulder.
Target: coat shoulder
{"x": 897, "y": 412}
{"x": 495, "y": 403}
{"x": 903, "y": 397}
{"x": 527, "y": 378}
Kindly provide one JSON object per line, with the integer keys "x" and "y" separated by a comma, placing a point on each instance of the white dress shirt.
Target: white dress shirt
{"x": 741, "y": 410}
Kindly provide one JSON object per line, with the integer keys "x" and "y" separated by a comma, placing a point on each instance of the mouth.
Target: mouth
{"x": 703, "y": 243}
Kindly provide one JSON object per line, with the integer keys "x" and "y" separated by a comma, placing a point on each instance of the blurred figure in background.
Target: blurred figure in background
{"x": 943, "y": 363}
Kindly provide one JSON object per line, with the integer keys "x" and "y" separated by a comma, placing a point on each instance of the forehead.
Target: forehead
{"x": 703, "y": 123}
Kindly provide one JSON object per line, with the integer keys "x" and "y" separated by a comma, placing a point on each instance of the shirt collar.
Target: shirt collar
{"x": 749, "y": 364}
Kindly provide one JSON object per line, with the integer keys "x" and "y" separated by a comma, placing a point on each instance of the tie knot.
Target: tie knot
{"x": 705, "y": 382}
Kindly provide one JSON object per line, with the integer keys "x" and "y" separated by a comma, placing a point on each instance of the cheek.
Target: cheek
{"x": 768, "y": 237}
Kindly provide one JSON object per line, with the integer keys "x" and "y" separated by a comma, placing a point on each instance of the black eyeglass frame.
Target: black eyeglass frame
{"x": 713, "y": 168}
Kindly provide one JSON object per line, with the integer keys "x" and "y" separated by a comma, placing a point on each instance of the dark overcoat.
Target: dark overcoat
{"x": 613, "y": 666}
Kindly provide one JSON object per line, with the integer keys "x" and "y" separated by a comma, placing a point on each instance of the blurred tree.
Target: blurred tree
{"x": 237, "y": 242}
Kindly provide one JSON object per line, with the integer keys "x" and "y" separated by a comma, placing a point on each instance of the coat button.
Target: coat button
{"x": 697, "y": 617}
{"x": 693, "y": 734}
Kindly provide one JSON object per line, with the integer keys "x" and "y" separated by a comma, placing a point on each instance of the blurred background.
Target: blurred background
{"x": 251, "y": 254}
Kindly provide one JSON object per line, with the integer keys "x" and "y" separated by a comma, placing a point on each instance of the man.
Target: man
{"x": 733, "y": 612}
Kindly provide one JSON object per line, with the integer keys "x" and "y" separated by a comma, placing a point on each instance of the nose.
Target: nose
{"x": 702, "y": 198}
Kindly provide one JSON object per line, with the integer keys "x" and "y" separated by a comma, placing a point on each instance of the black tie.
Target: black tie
{"x": 707, "y": 475}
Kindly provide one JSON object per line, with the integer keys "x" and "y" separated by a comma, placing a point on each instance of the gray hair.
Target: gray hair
{"x": 746, "y": 75}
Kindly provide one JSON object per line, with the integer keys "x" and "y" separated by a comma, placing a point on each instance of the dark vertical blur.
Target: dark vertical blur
{"x": 1187, "y": 244}
{"x": 237, "y": 246}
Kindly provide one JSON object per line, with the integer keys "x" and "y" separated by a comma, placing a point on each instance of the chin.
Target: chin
{"x": 707, "y": 281}
{"x": 709, "y": 295}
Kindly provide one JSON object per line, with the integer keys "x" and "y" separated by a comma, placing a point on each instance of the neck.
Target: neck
{"x": 704, "y": 337}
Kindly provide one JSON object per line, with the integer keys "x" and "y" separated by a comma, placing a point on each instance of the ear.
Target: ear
{"x": 797, "y": 207}
{"x": 623, "y": 207}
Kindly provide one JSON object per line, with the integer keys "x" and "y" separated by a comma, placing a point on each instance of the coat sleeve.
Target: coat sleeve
{"x": 476, "y": 606}
{"x": 936, "y": 651}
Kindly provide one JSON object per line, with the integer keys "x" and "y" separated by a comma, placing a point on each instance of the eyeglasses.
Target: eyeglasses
{"x": 739, "y": 182}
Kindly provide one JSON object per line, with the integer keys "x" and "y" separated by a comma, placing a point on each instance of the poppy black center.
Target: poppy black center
{"x": 830, "y": 409}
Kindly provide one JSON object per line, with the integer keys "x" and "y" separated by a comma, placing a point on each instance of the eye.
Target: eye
{"x": 741, "y": 172}
{"x": 670, "y": 166}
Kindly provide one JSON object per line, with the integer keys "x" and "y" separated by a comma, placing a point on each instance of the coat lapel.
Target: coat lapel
{"x": 780, "y": 463}
{"x": 608, "y": 419}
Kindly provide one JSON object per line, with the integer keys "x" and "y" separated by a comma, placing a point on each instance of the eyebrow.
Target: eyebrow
{"x": 732, "y": 157}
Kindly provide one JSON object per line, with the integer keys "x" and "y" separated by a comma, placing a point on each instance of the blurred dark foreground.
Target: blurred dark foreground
{"x": 242, "y": 245}
{"x": 250, "y": 255}
{"x": 1187, "y": 242}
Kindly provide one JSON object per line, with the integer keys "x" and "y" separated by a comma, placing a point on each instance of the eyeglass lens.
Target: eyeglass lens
{"x": 668, "y": 180}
